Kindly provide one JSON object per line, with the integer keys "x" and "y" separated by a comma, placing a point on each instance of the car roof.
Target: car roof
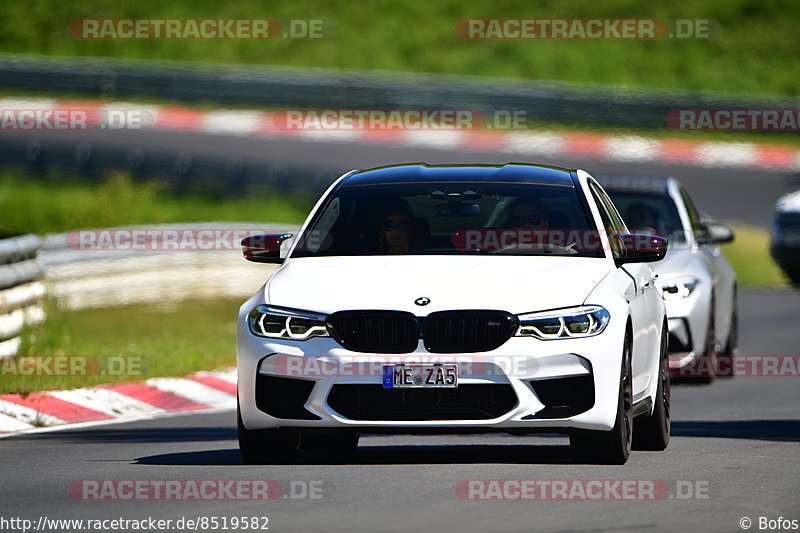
{"x": 634, "y": 183}
{"x": 423, "y": 172}
{"x": 789, "y": 203}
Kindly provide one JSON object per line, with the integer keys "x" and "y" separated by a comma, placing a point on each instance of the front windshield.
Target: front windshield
{"x": 436, "y": 218}
{"x": 652, "y": 214}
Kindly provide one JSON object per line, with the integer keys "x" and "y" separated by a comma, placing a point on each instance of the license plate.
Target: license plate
{"x": 420, "y": 376}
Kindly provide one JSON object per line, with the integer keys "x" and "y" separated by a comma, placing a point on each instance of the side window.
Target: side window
{"x": 609, "y": 224}
{"x": 694, "y": 216}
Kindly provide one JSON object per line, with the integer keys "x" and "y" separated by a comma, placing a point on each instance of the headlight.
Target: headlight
{"x": 282, "y": 323}
{"x": 681, "y": 287}
{"x": 583, "y": 321}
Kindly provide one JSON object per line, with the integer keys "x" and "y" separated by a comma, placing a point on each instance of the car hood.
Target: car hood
{"x": 675, "y": 263}
{"x": 511, "y": 283}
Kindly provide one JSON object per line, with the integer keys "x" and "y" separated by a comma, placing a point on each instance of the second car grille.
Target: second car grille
{"x": 442, "y": 332}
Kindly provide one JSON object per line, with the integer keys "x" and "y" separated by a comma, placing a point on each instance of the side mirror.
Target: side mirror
{"x": 264, "y": 248}
{"x": 716, "y": 233}
{"x": 638, "y": 248}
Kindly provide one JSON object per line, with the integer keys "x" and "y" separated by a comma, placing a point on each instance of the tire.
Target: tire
{"x": 708, "y": 359}
{"x": 794, "y": 277}
{"x": 651, "y": 432}
{"x": 266, "y": 446}
{"x": 732, "y": 345}
{"x": 333, "y": 444}
{"x": 611, "y": 447}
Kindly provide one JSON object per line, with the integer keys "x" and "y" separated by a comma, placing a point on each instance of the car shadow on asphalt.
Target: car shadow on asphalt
{"x": 773, "y": 430}
{"x": 390, "y": 455}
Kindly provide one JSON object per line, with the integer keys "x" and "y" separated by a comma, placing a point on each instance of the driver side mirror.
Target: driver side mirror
{"x": 264, "y": 248}
{"x": 638, "y": 248}
{"x": 716, "y": 233}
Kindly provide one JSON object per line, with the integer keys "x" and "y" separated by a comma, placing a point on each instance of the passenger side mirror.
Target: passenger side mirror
{"x": 638, "y": 248}
{"x": 716, "y": 233}
{"x": 264, "y": 248}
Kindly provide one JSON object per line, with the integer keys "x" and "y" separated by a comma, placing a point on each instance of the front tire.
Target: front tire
{"x": 611, "y": 447}
{"x": 651, "y": 432}
{"x": 266, "y": 446}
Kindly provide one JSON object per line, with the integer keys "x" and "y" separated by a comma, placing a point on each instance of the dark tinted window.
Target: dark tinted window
{"x": 443, "y": 218}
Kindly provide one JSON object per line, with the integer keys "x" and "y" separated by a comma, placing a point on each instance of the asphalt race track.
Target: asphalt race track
{"x": 732, "y": 455}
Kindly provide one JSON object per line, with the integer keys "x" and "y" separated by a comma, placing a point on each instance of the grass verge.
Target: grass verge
{"x": 130, "y": 343}
{"x": 48, "y": 206}
{"x": 751, "y": 50}
{"x": 749, "y": 255}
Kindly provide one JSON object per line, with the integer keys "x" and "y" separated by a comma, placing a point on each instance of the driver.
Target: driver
{"x": 397, "y": 231}
{"x": 529, "y": 214}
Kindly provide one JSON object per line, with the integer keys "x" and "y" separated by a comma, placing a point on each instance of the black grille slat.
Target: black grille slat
{"x": 467, "y": 331}
{"x": 374, "y": 331}
{"x": 466, "y": 402}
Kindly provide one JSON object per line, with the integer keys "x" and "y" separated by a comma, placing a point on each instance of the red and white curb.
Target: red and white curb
{"x": 529, "y": 143}
{"x": 118, "y": 402}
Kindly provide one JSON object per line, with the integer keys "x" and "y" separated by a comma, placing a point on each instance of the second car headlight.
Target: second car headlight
{"x": 283, "y": 323}
{"x": 584, "y": 321}
{"x": 681, "y": 287}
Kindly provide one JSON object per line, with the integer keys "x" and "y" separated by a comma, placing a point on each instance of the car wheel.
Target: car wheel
{"x": 651, "y": 432}
{"x": 794, "y": 277}
{"x": 707, "y": 363}
{"x": 266, "y": 446}
{"x": 732, "y": 346}
{"x": 335, "y": 444}
{"x": 611, "y": 447}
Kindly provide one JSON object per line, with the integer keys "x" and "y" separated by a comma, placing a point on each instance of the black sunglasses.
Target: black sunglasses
{"x": 533, "y": 220}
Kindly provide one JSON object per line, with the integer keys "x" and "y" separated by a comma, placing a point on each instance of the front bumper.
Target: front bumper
{"x": 524, "y": 385}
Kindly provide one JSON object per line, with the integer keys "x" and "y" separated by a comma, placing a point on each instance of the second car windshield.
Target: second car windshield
{"x": 654, "y": 214}
{"x": 434, "y": 218}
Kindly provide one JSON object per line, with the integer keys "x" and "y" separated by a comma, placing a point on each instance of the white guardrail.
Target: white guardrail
{"x": 114, "y": 276}
{"x": 21, "y": 290}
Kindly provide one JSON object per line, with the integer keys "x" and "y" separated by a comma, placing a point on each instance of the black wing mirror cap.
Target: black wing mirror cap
{"x": 264, "y": 248}
{"x": 639, "y": 248}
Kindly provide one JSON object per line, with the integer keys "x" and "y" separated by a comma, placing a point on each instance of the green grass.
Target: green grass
{"x": 147, "y": 340}
{"x": 750, "y": 258}
{"x": 753, "y": 50}
{"x": 48, "y": 206}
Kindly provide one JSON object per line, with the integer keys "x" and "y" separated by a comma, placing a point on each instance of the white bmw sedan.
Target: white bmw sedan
{"x": 698, "y": 282}
{"x": 455, "y": 298}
